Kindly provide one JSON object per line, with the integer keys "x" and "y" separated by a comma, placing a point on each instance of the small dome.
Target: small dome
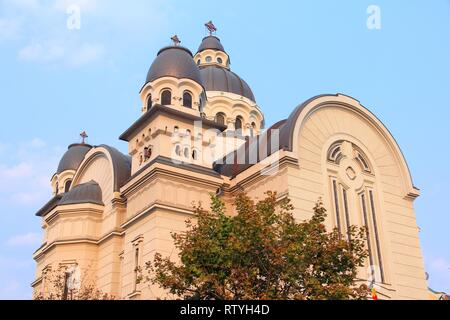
{"x": 83, "y": 193}
{"x": 73, "y": 157}
{"x": 211, "y": 42}
{"x": 174, "y": 61}
{"x": 220, "y": 79}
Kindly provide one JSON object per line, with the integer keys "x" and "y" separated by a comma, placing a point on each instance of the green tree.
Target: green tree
{"x": 261, "y": 253}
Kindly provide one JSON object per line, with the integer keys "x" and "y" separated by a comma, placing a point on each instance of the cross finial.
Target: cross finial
{"x": 211, "y": 27}
{"x": 83, "y": 136}
{"x": 176, "y": 40}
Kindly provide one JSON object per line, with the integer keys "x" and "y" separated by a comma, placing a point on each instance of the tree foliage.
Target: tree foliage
{"x": 56, "y": 288}
{"x": 261, "y": 253}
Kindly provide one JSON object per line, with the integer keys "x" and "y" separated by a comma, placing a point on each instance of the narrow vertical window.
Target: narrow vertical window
{"x": 136, "y": 267}
{"x": 377, "y": 239}
{"x": 366, "y": 224}
{"x": 187, "y": 99}
{"x": 347, "y": 214}
{"x": 220, "y": 118}
{"x": 336, "y": 205}
{"x": 67, "y": 185}
{"x": 238, "y": 124}
{"x": 149, "y": 102}
{"x": 166, "y": 98}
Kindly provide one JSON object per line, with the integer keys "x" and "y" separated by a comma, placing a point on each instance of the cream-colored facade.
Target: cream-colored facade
{"x": 200, "y": 132}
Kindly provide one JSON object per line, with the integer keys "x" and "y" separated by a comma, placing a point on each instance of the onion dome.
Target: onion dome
{"x": 73, "y": 157}
{"x": 89, "y": 192}
{"x": 216, "y": 78}
{"x": 212, "y": 43}
{"x": 174, "y": 61}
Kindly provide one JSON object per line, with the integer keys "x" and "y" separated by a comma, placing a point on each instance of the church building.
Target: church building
{"x": 202, "y": 131}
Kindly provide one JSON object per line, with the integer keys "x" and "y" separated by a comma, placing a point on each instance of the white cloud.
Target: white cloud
{"x": 41, "y": 26}
{"x": 22, "y": 4}
{"x": 25, "y": 173}
{"x": 62, "y": 54}
{"x": 86, "y": 54}
{"x": 9, "y": 29}
{"x": 37, "y": 143}
{"x": 10, "y": 263}
{"x": 38, "y": 52}
{"x": 85, "y": 5}
{"x": 21, "y": 170}
{"x": 28, "y": 239}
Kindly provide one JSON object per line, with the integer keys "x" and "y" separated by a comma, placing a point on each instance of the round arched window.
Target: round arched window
{"x": 187, "y": 99}
{"x": 219, "y": 60}
{"x": 166, "y": 98}
{"x": 186, "y": 152}
{"x": 194, "y": 154}
{"x": 208, "y": 59}
{"x": 220, "y": 118}
{"x": 149, "y": 102}
{"x": 238, "y": 124}
{"x": 67, "y": 185}
{"x": 178, "y": 150}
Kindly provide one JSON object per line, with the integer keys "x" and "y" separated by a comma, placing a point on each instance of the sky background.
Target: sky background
{"x": 56, "y": 82}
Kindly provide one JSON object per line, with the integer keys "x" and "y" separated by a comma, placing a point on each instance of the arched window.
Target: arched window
{"x": 178, "y": 150}
{"x": 351, "y": 177}
{"x": 187, "y": 99}
{"x": 219, "y": 60}
{"x": 166, "y": 98}
{"x": 149, "y": 102}
{"x": 186, "y": 152}
{"x": 194, "y": 155}
{"x": 220, "y": 118}
{"x": 208, "y": 59}
{"x": 238, "y": 124}
{"x": 253, "y": 129}
{"x": 67, "y": 185}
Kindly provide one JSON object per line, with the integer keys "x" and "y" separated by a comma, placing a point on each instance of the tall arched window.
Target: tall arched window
{"x": 253, "y": 129}
{"x": 220, "y": 118}
{"x": 149, "y": 102}
{"x": 238, "y": 124}
{"x": 187, "y": 99}
{"x": 166, "y": 98}
{"x": 178, "y": 150}
{"x": 67, "y": 185}
{"x": 352, "y": 180}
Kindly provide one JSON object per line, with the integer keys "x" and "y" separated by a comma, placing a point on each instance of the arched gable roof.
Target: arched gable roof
{"x": 290, "y": 128}
{"x": 120, "y": 165}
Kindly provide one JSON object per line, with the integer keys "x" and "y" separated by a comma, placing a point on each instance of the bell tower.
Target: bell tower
{"x": 172, "y": 123}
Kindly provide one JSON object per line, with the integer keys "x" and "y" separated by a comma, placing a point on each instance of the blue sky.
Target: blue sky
{"x": 56, "y": 82}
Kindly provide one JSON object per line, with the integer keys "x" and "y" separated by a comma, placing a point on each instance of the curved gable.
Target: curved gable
{"x": 291, "y": 131}
{"x": 106, "y": 166}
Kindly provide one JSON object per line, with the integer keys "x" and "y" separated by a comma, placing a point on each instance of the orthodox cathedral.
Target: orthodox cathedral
{"x": 201, "y": 131}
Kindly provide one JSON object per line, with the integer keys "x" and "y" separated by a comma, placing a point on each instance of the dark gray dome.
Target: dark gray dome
{"x": 89, "y": 192}
{"x": 220, "y": 79}
{"x": 211, "y": 42}
{"x": 73, "y": 157}
{"x": 175, "y": 62}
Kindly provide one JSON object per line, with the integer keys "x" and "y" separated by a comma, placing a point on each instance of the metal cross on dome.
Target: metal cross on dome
{"x": 176, "y": 40}
{"x": 211, "y": 27}
{"x": 83, "y": 136}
